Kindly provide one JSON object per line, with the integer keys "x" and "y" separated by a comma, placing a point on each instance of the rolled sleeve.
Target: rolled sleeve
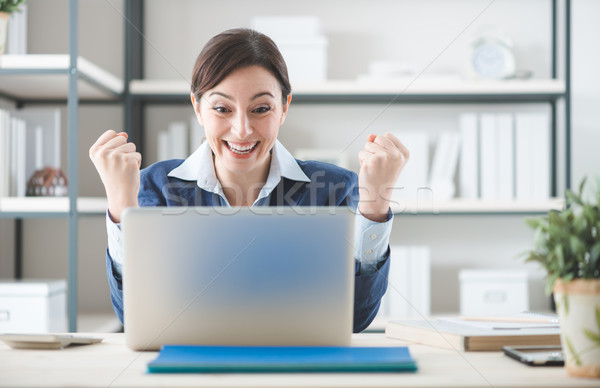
{"x": 371, "y": 241}
{"x": 115, "y": 243}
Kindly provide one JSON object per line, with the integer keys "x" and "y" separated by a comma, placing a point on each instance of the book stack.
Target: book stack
{"x": 29, "y": 142}
{"x": 484, "y": 333}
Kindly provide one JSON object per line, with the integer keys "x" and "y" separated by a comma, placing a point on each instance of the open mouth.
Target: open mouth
{"x": 241, "y": 149}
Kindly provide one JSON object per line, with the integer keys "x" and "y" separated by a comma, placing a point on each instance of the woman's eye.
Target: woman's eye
{"x": 220, "y": 109}
{"x": 262, "y": 109}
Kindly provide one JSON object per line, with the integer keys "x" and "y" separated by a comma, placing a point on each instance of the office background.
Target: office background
{"x": 358, "y": 32}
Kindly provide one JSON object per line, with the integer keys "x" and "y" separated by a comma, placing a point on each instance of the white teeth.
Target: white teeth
{"x": 241, "y": 150}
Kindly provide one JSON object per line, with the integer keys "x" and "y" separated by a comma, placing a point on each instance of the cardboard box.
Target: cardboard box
{"x": 493, "y": 292}
{"x": 33, "y": 306}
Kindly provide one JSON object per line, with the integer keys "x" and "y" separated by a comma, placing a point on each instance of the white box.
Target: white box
{"x": 301, "y": 42}
{"x": 33, "y": 306}
{"x": 493, "y": 292}
{"x": 306, "y": 58}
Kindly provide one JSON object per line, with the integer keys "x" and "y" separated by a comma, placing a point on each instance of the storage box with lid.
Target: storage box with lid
{"x": 493, "y": 292}
{"x": 33, "y": 306}
{"x": 301, "y": 42}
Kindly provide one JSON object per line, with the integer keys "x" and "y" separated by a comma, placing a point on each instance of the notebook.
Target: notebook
{"x": 238, "y": 276}
{"x": 225, "y": 359}
{"x": 449, "y": 334}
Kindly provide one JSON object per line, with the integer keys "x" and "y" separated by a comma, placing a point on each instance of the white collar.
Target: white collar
{"x": 199, "y": 167}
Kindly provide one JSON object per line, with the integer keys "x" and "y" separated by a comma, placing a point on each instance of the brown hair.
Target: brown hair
{"x": 234, "y": 49}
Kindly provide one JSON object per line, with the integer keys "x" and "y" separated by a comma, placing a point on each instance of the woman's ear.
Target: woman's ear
{"x": 196, "y": 105}
{"x": 285, "y": 108}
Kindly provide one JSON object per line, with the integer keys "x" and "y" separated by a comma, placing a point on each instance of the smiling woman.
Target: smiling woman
{"x": 241, "y": 94}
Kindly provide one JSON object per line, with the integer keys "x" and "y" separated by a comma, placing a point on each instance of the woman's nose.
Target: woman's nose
{"x": 241, "y": 126}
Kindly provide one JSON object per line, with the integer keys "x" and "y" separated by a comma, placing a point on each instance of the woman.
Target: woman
{"x": 241, "y": 95}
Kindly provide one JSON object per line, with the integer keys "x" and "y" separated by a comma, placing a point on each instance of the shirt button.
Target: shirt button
{"x": 373, "y": 236}
{"x": 369, "y": 251}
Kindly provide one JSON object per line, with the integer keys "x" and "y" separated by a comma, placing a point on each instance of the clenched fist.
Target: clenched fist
{"x": 381, "y": 162}
{"x": 118, "y": 164}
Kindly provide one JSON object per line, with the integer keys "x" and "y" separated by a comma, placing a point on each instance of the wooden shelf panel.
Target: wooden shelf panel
{"x": 45, "y": 77}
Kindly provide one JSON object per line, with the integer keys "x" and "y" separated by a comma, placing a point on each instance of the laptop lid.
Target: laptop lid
{"x": 237, "y": 276}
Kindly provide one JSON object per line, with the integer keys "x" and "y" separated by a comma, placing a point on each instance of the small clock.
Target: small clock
{"x": 492, "y": 57}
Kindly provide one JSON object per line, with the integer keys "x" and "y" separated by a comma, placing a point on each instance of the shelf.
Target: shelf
{"x": 465, "y": 207}
{"x": 40, "y": 207}
{"x": 419, "y": 90}
{"x": 45, "y": 77}
{"x": 23, "y": 207}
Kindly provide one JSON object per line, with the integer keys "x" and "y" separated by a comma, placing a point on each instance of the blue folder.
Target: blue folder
{"x": 277, "y": 359}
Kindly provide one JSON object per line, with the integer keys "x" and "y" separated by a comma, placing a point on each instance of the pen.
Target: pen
{"x": 511, "y": 320}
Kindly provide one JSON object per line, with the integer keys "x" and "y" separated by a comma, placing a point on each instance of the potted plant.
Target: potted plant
{"x": 6, "y": 8}
{"x": 567, "y": 245}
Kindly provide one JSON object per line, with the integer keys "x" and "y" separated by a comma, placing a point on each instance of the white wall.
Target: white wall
{"x": 586, "y": 90}
{"x": 433, "y": 32}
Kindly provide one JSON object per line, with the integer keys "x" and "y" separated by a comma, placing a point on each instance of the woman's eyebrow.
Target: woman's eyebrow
{"x": 262, "y": 94}
{"x": 221, "y": 94}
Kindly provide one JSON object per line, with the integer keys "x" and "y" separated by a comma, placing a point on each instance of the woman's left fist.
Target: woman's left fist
{"x": 381, "y": 162}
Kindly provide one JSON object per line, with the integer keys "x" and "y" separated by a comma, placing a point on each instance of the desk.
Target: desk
{"x": 111, "y": 364}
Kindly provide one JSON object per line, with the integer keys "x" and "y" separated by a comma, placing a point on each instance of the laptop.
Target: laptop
{"x": 238, "y": 276}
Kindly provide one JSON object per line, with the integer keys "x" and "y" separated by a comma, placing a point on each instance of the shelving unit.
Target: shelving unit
{"x": 70, "y": 78}
{"x": 26, "y": 79}
{"x": 142, "y": 92}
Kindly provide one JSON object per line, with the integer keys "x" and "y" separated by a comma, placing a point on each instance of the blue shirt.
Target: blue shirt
{"x": 193, "y": 182}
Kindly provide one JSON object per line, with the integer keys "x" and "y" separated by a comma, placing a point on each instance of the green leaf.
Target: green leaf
{"x": 595, "y": 255}
{"x": 533, "y": 223}
{"x": 573, "y": 198}
{"x": 572, "y": 351}
{"x": 598, "y": 318}
{"x": 566, "y": 303}
{"x": 592, "y": 336}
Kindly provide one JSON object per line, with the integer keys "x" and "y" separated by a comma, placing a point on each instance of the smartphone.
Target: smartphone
{"x": 550, "y": 355}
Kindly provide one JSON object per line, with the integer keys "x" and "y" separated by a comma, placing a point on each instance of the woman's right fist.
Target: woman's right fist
{"x": 118, "y": 165}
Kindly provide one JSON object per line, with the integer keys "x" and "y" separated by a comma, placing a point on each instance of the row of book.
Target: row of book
{"x": 493, "y": 156}
{"x": 409, "y": 283}
{"x": 16, "y": 35}
{"x": 30, "y": 153}
{"x": 178, "y": 141}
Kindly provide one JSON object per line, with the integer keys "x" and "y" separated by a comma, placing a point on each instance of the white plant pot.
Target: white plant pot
{"x": 3, "y": 32}
{"x": 578, "y": 307}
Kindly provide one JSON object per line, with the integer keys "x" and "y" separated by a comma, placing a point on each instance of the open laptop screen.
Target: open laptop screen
{"x": 237, "y": 276}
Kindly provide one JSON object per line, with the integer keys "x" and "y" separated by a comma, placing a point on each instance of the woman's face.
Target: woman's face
{"x": 241, "y": 117}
